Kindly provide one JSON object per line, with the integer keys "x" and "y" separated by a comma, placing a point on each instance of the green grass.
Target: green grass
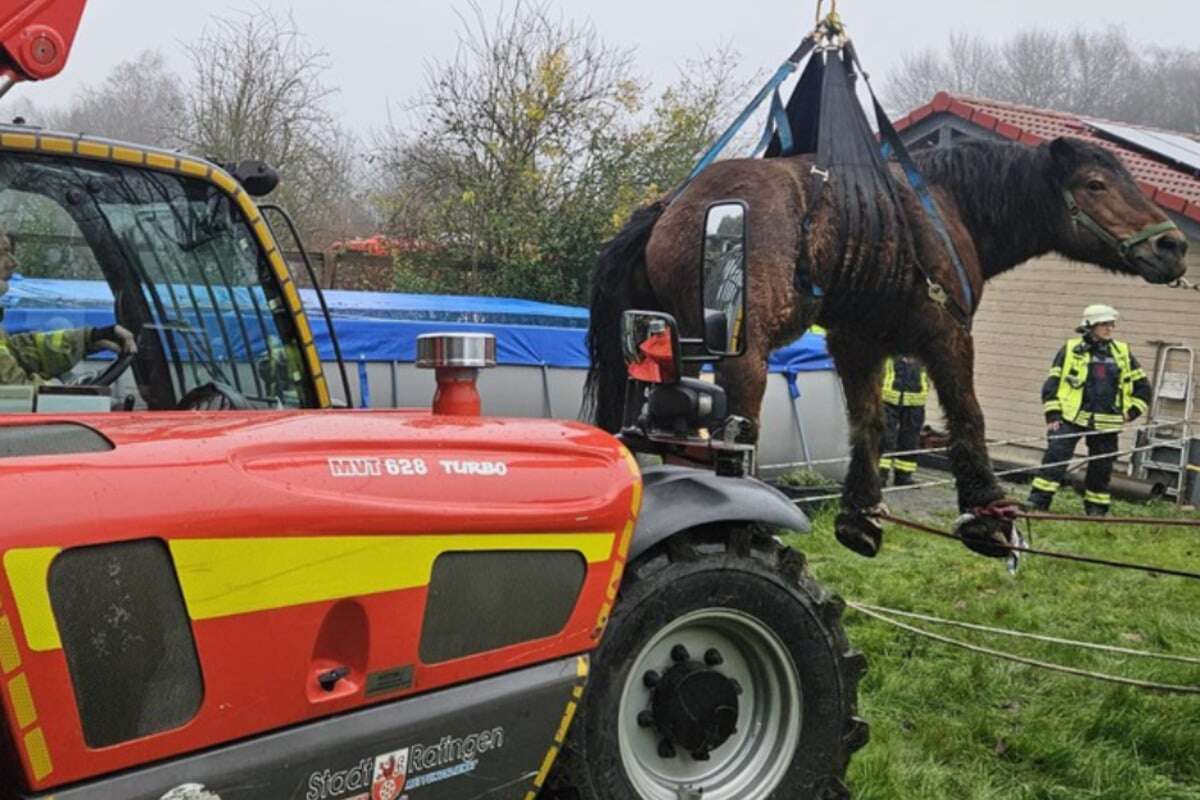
{"x": 947, "y": 723}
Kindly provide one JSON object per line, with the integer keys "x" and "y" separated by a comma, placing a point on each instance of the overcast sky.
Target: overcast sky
{"x": 378, "y": 48}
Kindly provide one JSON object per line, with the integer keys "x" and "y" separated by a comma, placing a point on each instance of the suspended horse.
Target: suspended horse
{"x": 890, "y": 256}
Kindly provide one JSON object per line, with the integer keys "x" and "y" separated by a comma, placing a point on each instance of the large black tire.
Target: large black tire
{"x": 731, "y": 586}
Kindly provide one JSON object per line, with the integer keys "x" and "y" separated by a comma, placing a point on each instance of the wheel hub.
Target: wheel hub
{"x": 693, "y": 705}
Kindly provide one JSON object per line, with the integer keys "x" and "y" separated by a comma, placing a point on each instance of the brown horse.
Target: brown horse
{"x": 1003, "y": 204}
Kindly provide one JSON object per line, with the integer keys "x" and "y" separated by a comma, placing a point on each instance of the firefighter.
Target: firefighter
{"x": 1095, "y": 386}
{"x": 905, "y": 389}
{"x": 36, "y": 358}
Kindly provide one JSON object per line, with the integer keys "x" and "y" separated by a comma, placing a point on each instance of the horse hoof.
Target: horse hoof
{"x": 987, "y": 536}
{"x": 858, "y": 532}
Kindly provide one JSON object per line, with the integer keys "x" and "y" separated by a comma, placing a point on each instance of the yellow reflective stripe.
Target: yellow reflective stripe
{"x": 913, "y": 400}
{"x": 904, "y": 466}
{"x": 22, "y": 701}
{"x": 10, "y": 656}
{"x": 39, "y": 754}
{"x": 19, "y": 141}
{"x": 885, "y": 463}
{"x": 27, "y": 570}
{"x": 1138, "y": 403}
{"x": 1043, "y": 485}
{"x": 1136, "y": 375}
{"x": 93, "y": 149}
{"x": 1099, "y": 498}
{"x": 560, "y": 734}
{"x": 1052, "y": 405}
{"x": 221, "y": 577}
{"x": 1056, "y": 372}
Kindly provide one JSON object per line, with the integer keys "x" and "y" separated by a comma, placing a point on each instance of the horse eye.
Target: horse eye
{"x": 1096, "y": 185}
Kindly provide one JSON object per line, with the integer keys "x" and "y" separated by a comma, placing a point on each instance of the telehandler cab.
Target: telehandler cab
{"x": 215, "y": 586}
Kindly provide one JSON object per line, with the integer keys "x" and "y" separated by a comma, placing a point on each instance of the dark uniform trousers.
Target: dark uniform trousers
{"x": 901, "y": 434}
{"x": 1061, "y": 448}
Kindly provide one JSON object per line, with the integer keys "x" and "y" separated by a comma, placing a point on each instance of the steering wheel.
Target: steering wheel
{"x": 108, "y": 376}
{"x": 214, "y": 396}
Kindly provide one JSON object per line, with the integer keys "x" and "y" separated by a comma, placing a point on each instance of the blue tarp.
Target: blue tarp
{"x": 380, "y": 326}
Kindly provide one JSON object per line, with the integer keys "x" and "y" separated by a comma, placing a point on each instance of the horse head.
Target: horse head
{"x": 1106, "y": 220}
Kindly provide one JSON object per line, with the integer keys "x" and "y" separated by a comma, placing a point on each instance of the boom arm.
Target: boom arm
{"x": 35, "y": 39}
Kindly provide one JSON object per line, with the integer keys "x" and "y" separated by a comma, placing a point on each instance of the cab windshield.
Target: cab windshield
{"x": 167, "y": 257}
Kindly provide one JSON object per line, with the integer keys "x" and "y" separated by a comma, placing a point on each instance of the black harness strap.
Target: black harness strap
{"x": 894, "y": 145}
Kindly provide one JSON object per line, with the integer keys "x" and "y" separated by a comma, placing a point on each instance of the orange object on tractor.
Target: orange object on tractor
{"x": 36, "y": 38}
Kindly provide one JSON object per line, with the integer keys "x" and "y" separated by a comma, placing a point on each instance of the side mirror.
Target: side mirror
{"x": 723, "y": 278}
{"x": 650, "y": 341}
{"x": 258, "y": 178}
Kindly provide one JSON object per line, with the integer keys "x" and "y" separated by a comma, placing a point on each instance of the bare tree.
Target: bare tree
{"x": 1099, "y": 73}
{"x": 528, "y": 144}
{"x": 139, "y": 101}
{"x": 257, "y": 91}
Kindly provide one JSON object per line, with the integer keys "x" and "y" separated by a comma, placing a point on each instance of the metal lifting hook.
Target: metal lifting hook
{"x": 832, "y": 10}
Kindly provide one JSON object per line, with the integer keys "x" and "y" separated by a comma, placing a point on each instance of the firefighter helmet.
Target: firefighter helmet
{"x": 1095, "y": 314}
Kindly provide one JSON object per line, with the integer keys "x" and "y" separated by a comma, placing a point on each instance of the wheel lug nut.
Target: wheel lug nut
{"x": 737, "y": 687}
{"x": 651, "y": 679}
{"x": 679, "y": 653}
{"x": 700, "y": 755}
{"x": 645, "y": 719}
{"x": 713, "y": 657}
{"x": 666, "y": 749}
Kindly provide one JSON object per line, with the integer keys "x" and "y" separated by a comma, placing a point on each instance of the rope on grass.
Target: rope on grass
{"x": 1003, "y": 473}
{"x": 1164, "y": 521}
{"x": 1103, "y": 562}
{"x": 1000, "y": 443}
{"x": 1166, "y": 688}
{"x": 1104, "y": 648}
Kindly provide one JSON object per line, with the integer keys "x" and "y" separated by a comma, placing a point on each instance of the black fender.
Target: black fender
{"x": 679, "y": 498}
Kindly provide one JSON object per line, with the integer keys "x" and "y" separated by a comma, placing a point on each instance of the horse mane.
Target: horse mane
{"x": 1006, "y": 195}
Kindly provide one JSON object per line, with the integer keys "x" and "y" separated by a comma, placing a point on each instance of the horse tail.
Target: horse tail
{"x": 618, "y": 284}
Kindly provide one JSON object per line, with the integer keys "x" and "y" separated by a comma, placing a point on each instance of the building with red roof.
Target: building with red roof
{"x": 1026, "y": 314}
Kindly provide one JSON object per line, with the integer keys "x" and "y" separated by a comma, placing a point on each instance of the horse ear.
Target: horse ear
{"x": 1064, "y": 156}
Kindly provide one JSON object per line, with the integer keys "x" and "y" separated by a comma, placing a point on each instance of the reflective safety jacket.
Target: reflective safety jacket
{"x": 904, "y": 382}
{"x": 36, "y": 358}
{"x": 1095, "y": 384}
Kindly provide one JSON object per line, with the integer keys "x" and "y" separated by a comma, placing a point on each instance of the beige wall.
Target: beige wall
{"x": 1029, "y": 312}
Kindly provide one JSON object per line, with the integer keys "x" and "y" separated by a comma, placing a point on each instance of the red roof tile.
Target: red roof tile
{"x": 1170, "y": 187}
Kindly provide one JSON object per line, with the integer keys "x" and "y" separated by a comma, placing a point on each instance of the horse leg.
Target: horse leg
{"x": 949, "y": 357}
{"x": 860, "y": 365}
{"x": 745, "y": 380}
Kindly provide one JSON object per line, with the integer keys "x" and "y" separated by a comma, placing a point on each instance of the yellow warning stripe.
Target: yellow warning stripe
{"x": 560, "y": 735}
{"x": 166, "y": 161}
{"x": 623, "y": 543}
{"x": 20, "y": 701}
{"x": 10, "y": 656}
{"x": 39, "y": 754}
{"x": 27, "y": 570}
{"x": 222, "y": 577}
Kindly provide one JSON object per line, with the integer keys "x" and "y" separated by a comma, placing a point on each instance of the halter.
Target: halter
{"x": 1122, "y": 246}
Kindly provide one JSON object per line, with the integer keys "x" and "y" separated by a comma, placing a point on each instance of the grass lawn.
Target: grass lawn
{"x": 947, "y": 723}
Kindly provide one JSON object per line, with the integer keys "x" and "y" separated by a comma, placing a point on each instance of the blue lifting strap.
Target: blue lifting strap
{"x": 776, "y": 119}
{"x": 894, "y": 145}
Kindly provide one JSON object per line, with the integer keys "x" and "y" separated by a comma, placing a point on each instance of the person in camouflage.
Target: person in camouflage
{"x": 37, "y": 357}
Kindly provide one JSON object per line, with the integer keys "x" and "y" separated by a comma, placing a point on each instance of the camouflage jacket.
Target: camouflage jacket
{"x": 38, "y": 357}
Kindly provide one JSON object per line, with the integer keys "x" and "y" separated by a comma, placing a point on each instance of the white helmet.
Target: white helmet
{"x": 1095, "y": 314}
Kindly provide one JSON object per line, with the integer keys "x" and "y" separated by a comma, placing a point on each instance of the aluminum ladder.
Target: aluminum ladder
{"x": 1169, "y": 442}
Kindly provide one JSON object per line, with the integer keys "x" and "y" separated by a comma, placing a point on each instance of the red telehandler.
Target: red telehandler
{"x": 216, "y": 586}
